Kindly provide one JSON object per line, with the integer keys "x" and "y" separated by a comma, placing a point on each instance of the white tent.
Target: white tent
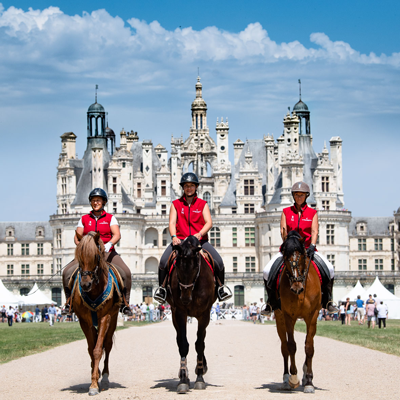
{"x": 357, "y": 290}
{"x": 388, "y": 298}
{"x": 36, "y": 296}
{"x": 7, "y": 298}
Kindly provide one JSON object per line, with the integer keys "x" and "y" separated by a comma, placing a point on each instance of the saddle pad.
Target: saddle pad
{"x": 117, "y": 275}
{"x": 205, "y": 259}
{"x": 278, "y": 281}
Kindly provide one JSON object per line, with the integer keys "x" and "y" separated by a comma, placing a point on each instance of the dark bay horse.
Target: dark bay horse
{"x": 94, "y": 283}
{"x": 300, "y": 293}
{"x": 191, "y": 293}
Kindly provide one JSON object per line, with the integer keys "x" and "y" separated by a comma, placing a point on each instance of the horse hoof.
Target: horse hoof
{"x": 286, "y": 386}
{"x": 294, "y": 382}
{"x": 200, "y": 385}
{"x": 309, "y": 389}
{"x": 93, "y": 392}
{"x": 105, "y": 382}
{"x": 183, "y": 388}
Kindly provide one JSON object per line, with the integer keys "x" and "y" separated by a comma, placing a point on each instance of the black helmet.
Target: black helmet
{"x": 98, "y": 192}
{"x": 189, "y": 177}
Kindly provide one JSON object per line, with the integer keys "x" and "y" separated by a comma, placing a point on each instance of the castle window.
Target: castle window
{"x": 234, "y": 237}
{"x": 10, "y": 249}
{"x": 197, "y": 121}
{"x": 330, "y": 234}
{"x": 56, "y": 295}
{"x": 25, "y": 269}
{"x": 215, "y": 237}
{"x": 201, "y": 121}
{"x": 392, "y": 264}
{"x": 234, "y": 210}
{"x": 59, "y": 266}
{"x": 123, "y": 164}
{"x": 25, "y": 249}
{"x": 165, "y": 237}
{"x": 10, "y": 232}
{"x": 40, "y": 269}
{"x": 139, "y": 191}
{"x": 10, "y": 269}
{"x": 163, "y": 188}
{"x": 63, "y": 208}
{"x": 64, "y": 185}
{"x": 114, "y": 208}
{"x": 207, "y": 197}
{"x": 249, "y": 237}
{"x": 325, "y": 204}
{"x": 378, "y": 244}
{"x": 362, "y": 264}
{"x": 58, "y": 238}
{"x": 249, "y": 187}
{"x": 163, "y": 209}
{"x": 40, "y": 249}
{"x": 250, "y": 264}
{"x": 331, "y": 258}
{"x": 362, "y": 244}
{"x": 325, "y": 183}
{"x": 249, "y": 208}
{"x": 234, "y": 264}
{"x": 378, "y": 264}
{"x": 391, "y": 244}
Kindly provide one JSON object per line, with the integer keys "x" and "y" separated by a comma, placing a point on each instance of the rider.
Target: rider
{"x": 100, "y": 221}
{"x": 190, "y": 215}
{"x": 304, "y": 220}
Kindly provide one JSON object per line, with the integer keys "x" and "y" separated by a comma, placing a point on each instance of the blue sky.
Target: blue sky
{"x": 144, "y": 57}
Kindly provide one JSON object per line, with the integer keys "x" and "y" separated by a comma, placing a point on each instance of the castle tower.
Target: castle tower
{"x": 301, "y": 109}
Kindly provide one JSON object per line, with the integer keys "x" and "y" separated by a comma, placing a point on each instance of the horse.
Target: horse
{"x": 300, "y": 294}
{"x": 95, "y": 302}
{"x": 191, "y": 292}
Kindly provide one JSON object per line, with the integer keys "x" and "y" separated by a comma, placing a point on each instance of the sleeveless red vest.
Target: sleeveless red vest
{"x": 190, "y": 218}
{"x": 102, "y": 225}
{"x": 300, "y": 222}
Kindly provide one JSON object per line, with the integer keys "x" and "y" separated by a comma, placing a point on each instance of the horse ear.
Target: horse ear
{"x": 198, "y": 248}
{"x": 302, "y": 240}
{"x": 96, "y": 237}
{"x": 78, "y": 236}
{"x": 177, "y": 247}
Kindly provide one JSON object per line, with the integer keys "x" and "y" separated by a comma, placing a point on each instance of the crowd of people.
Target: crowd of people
{"x": 147, "y": 311}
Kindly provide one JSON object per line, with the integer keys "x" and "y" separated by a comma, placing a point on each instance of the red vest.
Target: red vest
{"x": 190, "y": 218}
{"x": 303, "y": 226}
{"x": 102, "y": 225}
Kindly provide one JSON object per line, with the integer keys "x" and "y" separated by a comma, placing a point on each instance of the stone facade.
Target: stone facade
{"x": 246, "y": 198}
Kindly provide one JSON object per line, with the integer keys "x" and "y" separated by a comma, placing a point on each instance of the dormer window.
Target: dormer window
{"x": 361, "y": 228}
{"x": 10, "y": 232}
{"x": 39, "y": 231}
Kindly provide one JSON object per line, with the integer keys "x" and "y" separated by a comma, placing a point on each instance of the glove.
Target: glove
{"x": 107, "y": 247}
{"x": 311, "y": 251}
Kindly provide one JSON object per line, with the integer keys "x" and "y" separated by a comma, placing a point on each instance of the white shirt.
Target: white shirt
{"x": 11, "y": 312}
{"x": 382, "y": 310}
{"x": 143, "y": 308}
{"x": 113, "y": 222}
{"x": 341, "y": 308}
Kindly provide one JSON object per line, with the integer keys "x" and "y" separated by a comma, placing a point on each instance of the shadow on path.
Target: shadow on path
{"x": 84, "y": 387}
{"x": 172, "y": 384}
{"x": 275, "y": 387}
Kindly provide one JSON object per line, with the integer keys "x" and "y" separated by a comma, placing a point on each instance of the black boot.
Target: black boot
{"x": 124, "y": 309}
{"x": 223, "y": 292}
{"x": 327, "y": 302}
{"x": 273, "y": 302}
{"x": 161, "y": 292}
{"x": 67, "y": 309}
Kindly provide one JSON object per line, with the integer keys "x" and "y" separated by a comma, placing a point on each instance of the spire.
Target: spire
{"x": 95, "y": 95}
{"x": 299, "y": 89}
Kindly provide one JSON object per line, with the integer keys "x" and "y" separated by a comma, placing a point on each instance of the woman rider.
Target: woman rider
{"x": 100, "y": 221}
{"x": 190, "y": 215}
{"x": 303, "y": 219}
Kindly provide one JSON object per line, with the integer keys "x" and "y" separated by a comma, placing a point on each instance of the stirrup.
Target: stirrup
{"x": 222, "y": 295}
{"x": 160, "y": 295}
{"x": 126, "y": 311}
{"x": 266, "y": 310}
{"x": 66, "y": 310}
{"x": 334, "y": 309}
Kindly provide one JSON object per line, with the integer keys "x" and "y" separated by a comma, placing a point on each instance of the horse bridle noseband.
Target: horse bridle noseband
{"x": 181, "y": 285}
{"x": 294, "y": 266}
{"x": 93, "y": 274}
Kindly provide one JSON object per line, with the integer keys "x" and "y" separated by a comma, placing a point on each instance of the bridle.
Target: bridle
{"x": 192, "y": 285}
{"x": 94, "y": 277}
{"x": 294, "y": 267}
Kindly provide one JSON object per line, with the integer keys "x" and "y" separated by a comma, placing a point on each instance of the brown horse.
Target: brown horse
{"x": 300, "y": 293}
{"x": 94, "y": 279}
{"x": 191, "y": 293}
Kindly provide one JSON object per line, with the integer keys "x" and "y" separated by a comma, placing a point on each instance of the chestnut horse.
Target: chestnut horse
{"x": 300, "y": 294}
{"x": 192, "y": 293}
{"x": 90, "y": 284}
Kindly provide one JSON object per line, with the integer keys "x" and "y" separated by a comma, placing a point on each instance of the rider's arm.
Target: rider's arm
{"x": 79, "y": 230}
{"x": 314, "y": 229}
{"x": 173, "y": 216}
{"x": 283, "y": 226}
{"x": 116, "y": 234}
{"x": 208, "y": 221}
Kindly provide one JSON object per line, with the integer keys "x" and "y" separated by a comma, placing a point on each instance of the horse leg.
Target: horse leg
{"x": 104, "y": 324}
{"x": 180, "y": 321}
{"x": 91, "y": 338}
{"x": 309, "y": 349}
{"x": 108, "y": 343}
{"x": 291, "y": 344}
{"x": 281, "y": 328}
{"x": 201, "y": 367}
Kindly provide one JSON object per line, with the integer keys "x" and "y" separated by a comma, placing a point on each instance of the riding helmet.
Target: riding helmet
{"x": 98, "y": 192}
{"x": 301, "y": 187}
{"x": 189, "y": 177}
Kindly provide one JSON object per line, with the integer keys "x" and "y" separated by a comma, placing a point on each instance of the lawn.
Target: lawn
{"x": 23, "y": 339}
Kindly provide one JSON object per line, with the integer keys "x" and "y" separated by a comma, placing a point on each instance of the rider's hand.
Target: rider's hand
{"x": 107, "y": 247}
{"x": 311, "y": 251}
{"x": 197, "y": 235}
{"x": 176, "y": 241}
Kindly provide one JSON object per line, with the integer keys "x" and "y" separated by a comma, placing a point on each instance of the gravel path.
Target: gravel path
{"x": 244, "y": 362}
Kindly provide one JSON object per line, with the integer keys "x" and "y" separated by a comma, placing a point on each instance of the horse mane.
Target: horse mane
{"x": 294, "y": 242}
{"x": 87, "y": 249}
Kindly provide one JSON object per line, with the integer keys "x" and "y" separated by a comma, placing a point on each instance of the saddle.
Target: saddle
{"x": 204, "y": 253}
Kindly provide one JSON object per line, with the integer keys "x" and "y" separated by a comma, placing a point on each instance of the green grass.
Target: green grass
{"x": 23, "y": 339}
{"x": 385, "y": 340}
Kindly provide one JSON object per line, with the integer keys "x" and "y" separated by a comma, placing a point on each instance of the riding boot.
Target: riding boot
{"x": 161, "y": 292}
{"x": 327, "y": 302}
{"x": 273, "y": 303}
{"x": 124, "y": 309}
{"x": 223, "y": 292}
{"x": 67, "y": 309}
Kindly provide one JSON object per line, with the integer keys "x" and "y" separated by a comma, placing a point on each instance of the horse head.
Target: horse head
{"x": 187, "y": 266}
{"x": 90, "y": 255}
{"x": 294, "y": 255}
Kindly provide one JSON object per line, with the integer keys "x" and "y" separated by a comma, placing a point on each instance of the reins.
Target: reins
{"x": 181, "y": 285}
{"x": 294, "y": 266}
